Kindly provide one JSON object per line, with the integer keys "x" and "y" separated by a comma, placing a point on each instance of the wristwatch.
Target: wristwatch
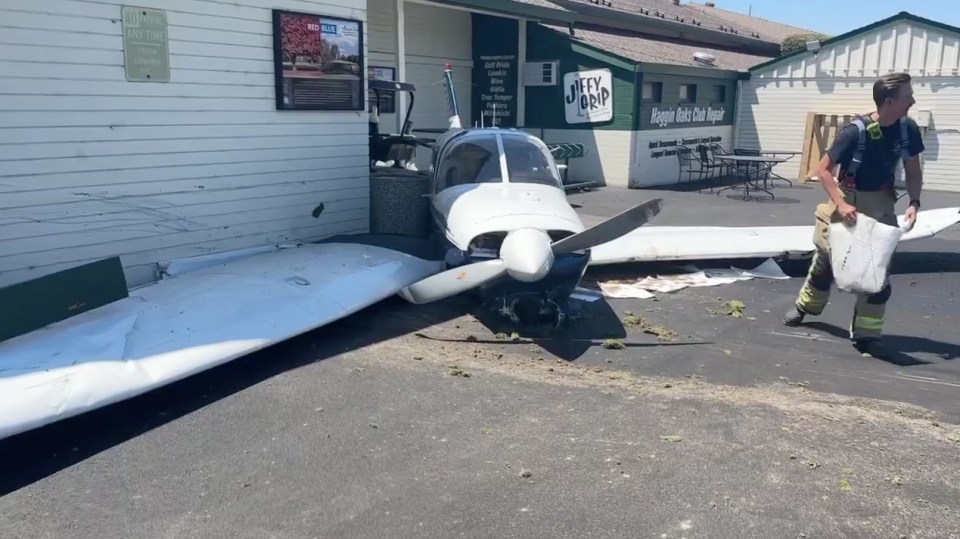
{"x": 915, "y": 202}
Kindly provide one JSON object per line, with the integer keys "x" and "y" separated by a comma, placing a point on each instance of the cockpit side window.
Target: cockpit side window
{"x": 530, "y": 162}
{"x": 471, "y": 160}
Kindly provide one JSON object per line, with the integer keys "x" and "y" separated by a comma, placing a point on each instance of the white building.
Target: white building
{"x": 194, "y": 160}
{"x": 838, "y": 79}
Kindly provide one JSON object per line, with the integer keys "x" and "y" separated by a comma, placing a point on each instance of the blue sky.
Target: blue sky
{"x": 839, "y": 16}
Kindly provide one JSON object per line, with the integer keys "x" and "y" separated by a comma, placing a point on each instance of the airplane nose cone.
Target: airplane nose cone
{"x": 527, "y": 254}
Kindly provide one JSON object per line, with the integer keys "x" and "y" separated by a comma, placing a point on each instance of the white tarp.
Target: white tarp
{"x": 646, "y": 287}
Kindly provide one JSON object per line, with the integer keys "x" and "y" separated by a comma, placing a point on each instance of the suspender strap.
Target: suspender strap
{"x": 904, "y": 141}
{"x": 860, "y": 150}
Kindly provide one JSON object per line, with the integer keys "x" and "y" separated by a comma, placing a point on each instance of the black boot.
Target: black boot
{"x": 872, "y": 347}
{"x": 794, "y": 317}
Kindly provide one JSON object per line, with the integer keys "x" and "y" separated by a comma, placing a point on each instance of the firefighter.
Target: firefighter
{"x": 867, "y": 152}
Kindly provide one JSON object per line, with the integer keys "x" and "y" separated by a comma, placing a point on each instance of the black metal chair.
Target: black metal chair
{"x": 708, "y": 162}
{"x": 686, "y": 158}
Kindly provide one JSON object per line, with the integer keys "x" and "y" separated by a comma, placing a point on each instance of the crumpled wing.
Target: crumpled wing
{"x": 201, "y": 318}
{"x": 665, "y": 243}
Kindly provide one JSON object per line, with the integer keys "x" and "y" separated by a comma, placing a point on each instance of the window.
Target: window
{"x": 529, "y": 161}
{"x": 653, "y": 92}
{"x": 475, "y": 158}
{"x": 688, "y": 93}
{"x": 719, "y": 94}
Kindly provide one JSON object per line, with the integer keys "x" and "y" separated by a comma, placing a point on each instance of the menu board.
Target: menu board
{"x": 496, "y": 71}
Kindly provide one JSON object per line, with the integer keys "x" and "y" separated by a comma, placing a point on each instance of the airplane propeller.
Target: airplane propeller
{"x": 527, "y": 255}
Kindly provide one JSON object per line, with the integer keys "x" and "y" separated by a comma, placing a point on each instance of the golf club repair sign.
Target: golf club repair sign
{"x": 588, "y": 96}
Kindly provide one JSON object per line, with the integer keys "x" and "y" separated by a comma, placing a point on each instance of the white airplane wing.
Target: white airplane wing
{"x": 208, "y": 315}
{"x": 660, "y": 243}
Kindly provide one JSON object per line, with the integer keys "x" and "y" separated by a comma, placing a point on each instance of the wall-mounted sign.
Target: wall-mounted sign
{"x": 682, "y": 115}
{"x": 655, "y": 151}
{"x": 318, "y": 62}
{"x": 146, "y": 52}
{"x": 496, "y": 71}
{"x": 388, "y": 100}
{"x": 588, "y": 96}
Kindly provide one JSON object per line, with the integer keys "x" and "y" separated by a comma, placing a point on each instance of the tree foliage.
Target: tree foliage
{"x": 297, "y": 36}
{"x": 798, "y": 42}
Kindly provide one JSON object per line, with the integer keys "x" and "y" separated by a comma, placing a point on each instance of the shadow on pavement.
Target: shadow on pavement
{"x": 33, "y": 455}
{"x": 901, "y": 346}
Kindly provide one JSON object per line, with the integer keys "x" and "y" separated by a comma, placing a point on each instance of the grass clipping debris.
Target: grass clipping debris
{"x": 733, "y": 308}
{"x": 631, "y": 320}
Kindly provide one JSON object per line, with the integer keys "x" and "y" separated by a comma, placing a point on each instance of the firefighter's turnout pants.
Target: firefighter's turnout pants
{"x": 867, "y": 321}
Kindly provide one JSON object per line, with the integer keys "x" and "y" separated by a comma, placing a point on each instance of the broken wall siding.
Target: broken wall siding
{"x": 92, "y": 165}
{"x": 776, "y": 99}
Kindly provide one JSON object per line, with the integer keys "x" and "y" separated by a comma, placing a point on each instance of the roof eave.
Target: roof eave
{"x": 517, "y": 9}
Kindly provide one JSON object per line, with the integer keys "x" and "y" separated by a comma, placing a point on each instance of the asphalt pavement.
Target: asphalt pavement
{"x": 664, "y": 418}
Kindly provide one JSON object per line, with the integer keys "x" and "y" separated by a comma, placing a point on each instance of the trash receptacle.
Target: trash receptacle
{"x": 397, "y": 204}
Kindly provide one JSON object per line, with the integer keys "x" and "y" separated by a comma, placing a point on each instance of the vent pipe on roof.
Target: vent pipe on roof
{"x": 710, "y": 4}
{"x": 704, "y": 58}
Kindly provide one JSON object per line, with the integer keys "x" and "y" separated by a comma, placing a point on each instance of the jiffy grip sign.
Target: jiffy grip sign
{"x": 588, "y": 96}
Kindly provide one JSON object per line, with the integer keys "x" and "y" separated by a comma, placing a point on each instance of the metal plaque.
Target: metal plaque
{"x": 146, "y": 52}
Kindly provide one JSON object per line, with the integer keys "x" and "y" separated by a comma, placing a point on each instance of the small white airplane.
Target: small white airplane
{"x": 502, "y": 219}
{"x": 508, "y": 230}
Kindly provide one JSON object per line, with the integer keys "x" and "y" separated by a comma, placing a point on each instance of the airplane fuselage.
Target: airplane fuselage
{"x": 511, "y": 213}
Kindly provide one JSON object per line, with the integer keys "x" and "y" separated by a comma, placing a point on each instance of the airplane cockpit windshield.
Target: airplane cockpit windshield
{"x": 475, "y": 157}
{"x": 529, "y": 161}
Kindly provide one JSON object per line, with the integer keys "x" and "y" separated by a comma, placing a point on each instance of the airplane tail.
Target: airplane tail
{"x": 454, "y": 119}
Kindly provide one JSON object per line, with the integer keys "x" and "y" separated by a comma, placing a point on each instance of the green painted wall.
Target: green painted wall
{"x": 672, "y": 112}
{"x": 496, "y": 69}
{"x": 545, "y": 105}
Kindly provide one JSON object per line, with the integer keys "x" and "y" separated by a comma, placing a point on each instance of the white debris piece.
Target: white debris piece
{"x": 645, "y": 288}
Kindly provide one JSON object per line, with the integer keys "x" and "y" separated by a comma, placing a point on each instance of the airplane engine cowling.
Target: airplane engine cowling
{"x": 527, "y": 254}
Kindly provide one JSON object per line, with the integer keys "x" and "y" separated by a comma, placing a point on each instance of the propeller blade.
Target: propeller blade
{"x": 453, "y": 281}
{"x": 611, "y": 229}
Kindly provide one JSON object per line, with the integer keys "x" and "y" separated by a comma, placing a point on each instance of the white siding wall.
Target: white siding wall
{"x": 382, "y": 45}
{"x": 435, "y": 36}
{"x": 93, "y": 166}
{"x": 660, "y": 165}
{"x": 839, "y": 80}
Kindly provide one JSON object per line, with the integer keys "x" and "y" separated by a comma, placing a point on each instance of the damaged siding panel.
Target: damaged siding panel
{"x": 93, "y": 166}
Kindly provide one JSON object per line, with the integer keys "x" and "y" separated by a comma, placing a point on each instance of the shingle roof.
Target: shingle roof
{"x": 655, "y": 50}
{"x": 684, "y": 14}
{"x": 543, "y": 3}
{"x": 766, "y": 28}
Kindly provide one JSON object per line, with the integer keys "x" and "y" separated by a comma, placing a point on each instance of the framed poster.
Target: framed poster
{"x": 318, "y": 62}
{"x": 388, "y": 101}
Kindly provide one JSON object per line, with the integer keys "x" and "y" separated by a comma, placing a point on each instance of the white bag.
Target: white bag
{"x": 860, "y": 255}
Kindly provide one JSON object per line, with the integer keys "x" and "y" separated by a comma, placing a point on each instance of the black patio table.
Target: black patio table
{"x": 763, "y": 165}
